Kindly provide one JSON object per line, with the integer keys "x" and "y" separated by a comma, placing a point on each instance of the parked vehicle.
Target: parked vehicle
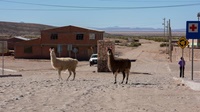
{"x": 93, "y": 59}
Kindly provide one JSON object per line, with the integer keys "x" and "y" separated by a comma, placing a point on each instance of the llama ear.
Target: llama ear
{"x": 109, "y": 47}
{"x": 51, "y": 49}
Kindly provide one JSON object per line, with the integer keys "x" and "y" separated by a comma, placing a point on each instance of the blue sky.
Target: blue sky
{"x": 101, "y": 13}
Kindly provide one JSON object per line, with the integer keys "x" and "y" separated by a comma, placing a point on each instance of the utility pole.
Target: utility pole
{"x": 164, "y": 32}
{"x": 167, "y": 37}
{"x": 164, "y": 25}
{"x": 170, "y": 41}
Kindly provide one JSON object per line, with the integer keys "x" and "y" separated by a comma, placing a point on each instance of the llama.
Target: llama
{"x": 62, "y": 64}
{"x": 118, "y": 65}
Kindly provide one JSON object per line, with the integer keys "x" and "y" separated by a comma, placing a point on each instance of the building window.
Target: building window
{"x": 28, "y": 49}
{"x": 54, "y": 36}
{"x": 79, "y": 36}
{"x": 92, "y": 36}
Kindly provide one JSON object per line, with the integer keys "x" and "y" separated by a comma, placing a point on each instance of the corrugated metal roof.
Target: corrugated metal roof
{"x": 20, "y": 37}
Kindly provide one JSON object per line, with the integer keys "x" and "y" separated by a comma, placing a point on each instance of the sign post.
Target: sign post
{"x": 75, "y": 50}
{"x": 59, "y": 48}
{"x": 182, "y": 43}
{"x": 69, "y": 48}
{"x": 3, "y": 49}
{"x": 192, "y": 59}
{"x": 192, "y": 32}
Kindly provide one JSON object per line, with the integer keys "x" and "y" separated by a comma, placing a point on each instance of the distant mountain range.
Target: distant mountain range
{"x": 136, "y": 29}
{"x": 18, "y": 29}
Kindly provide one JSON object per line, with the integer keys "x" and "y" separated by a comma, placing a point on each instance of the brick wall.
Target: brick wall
{"x": 64, "y": 36}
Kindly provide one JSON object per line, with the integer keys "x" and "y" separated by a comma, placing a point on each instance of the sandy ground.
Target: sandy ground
{"x": 153, "y": 86}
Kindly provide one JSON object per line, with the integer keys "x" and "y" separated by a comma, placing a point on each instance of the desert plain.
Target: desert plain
{"x": 154, "y": 85}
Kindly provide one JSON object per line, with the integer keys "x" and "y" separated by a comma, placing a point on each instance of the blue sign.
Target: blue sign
{"x": 193, "y": 30}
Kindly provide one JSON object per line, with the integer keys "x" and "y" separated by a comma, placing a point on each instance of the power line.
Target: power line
{"x": 14, "y": 9}
{"x": 93, "y": 8}
{"x": 158, "y": 1}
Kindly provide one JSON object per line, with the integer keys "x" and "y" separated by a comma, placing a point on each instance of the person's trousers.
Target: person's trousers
{"x": 182, "y": 72}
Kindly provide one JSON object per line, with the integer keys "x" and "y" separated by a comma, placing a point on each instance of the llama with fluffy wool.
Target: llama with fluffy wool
{"x": 62, "y": 64}
{"x": 118, "y": 65}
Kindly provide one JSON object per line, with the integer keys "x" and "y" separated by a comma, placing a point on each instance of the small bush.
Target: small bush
{"x": 117, "y": 41}
{"x": 135, "y": 44}
{"x": 164, "y": 44}
{"x": 156, "y": 39}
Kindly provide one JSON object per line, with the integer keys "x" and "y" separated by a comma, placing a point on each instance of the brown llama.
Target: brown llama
{"x": 118, "y": 65}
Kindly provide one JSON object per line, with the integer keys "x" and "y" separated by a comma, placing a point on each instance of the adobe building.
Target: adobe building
{"x": 12, "y": 40}
{"x": 11, "y": 43}
{"x": 15, "y": 39}
{"x": 68, "y": 41}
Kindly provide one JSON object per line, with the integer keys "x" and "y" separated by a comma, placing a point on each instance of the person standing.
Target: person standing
{"x": 182, "y": 66}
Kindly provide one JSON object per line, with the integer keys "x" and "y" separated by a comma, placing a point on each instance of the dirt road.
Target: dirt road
{"x": 151, "y": 86}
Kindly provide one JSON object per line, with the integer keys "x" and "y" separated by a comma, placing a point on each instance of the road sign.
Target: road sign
{"x": 75, "y": 50}
{"x": 193, "y": 30}
{"x": 183, "y": 42}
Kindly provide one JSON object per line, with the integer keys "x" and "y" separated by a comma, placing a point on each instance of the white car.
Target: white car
{"x": 93, "y": 59}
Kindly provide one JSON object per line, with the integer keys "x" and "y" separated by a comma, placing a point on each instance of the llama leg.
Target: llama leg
{"x": 74, "y": 74}
{"x": 70, "y": 73}
{"x": 115, "y": 78}
{"x": 59, "y": 74}
{"x": 127, "y": 76}
{"x": 123, "y": 76}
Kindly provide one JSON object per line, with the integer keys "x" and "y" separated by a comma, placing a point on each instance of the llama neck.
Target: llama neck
{"x": 53, "y": 57}
{"x": 110, "y": 61}
{"x": 111, "y": 57}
